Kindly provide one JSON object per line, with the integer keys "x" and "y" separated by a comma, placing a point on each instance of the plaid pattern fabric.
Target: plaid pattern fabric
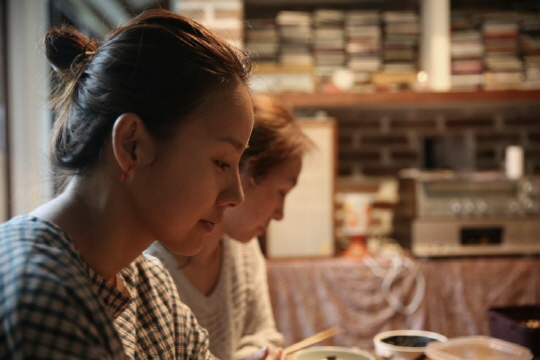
{"x": 156, "y": 325}
{"x": 54, "y": 306}
{"x": 48, "y": 308}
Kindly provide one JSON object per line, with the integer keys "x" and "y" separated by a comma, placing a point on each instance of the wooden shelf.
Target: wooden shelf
{"x": 495, "y": 98}
{"x": 359, "y": 4}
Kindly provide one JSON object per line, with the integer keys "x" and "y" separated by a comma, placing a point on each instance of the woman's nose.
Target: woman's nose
{"x": 279, "y": 212}
{"x": 233, "y": 195}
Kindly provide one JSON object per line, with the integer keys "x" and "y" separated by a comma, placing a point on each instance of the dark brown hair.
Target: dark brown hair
{"x": 276, "y": 137}
{"x": 159, "y": 66}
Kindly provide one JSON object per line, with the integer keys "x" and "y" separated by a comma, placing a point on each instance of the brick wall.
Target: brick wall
{"x": 224, "y": 17}
{"x": 381, "y": 141}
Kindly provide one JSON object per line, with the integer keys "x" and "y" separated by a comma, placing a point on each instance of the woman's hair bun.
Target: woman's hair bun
{"x": 66, "y": 46}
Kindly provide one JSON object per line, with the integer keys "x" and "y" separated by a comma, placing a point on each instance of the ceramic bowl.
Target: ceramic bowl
{"x": 404, "y": 344}
{"x": 332, "y": 352}
{"x": 477, "y": 347}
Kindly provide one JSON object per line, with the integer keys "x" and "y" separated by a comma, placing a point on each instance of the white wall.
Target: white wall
{"x": 28, "y": 116}
{"x": 307, "y": 228}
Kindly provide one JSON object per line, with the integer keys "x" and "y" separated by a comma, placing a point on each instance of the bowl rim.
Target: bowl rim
{"x": 377, "y": 339}
{"x": 439, "y": 350}
{"x": 352, "y": 349}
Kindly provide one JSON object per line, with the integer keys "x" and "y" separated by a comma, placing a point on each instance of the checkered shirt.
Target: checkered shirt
{"x": 48, "y": 308}
{"x": 156, "y": 325}
{"x": 54, "y": 306}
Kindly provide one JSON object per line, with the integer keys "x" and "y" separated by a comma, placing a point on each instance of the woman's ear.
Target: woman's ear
{"x": 132, "y": 145}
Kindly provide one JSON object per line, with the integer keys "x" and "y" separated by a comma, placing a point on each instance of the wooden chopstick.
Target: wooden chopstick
{"x": 313, "y": 339}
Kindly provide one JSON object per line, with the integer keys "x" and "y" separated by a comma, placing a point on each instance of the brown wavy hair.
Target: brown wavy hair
{"x": 276, "y": 137}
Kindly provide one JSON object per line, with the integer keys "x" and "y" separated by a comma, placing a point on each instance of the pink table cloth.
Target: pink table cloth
{"x": 311, "y": 295}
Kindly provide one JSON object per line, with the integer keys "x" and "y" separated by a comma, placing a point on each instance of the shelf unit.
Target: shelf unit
{"x": 381, "y": 132}
{"x": 378, "y": 99}
{"x": 429, "y": 58}
{"x": 276, "y": 5}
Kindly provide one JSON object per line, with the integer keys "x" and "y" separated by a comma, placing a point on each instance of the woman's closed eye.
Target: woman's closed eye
{"x": 220, "y": 164}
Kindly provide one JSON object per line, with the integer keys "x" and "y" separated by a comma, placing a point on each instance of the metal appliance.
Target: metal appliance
{"x": 484, "y": 213}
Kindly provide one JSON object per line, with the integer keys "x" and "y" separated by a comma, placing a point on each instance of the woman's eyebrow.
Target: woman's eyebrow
{"x": 234, "y": 142}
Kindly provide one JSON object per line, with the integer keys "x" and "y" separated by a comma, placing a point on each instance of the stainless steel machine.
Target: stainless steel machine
{"x": 447, "y": 214}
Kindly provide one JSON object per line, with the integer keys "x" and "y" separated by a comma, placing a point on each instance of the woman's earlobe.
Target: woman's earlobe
{"x": 125, "y": 173}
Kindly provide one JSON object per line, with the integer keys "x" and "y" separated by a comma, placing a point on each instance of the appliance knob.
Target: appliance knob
{"x": 468, "y": 206}
{"x": 482, "y": 206}
{"x": 513, "y": 207}
{"x": 456, "y": 207}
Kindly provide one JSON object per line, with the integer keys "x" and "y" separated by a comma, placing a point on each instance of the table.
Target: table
{"x": 311, "y": 295}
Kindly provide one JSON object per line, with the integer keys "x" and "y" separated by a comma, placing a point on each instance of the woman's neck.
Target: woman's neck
{"x": 203, "y": 269}
{"x": 100, "y": 227}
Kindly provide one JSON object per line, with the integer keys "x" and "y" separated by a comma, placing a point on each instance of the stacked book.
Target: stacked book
{"x": 530, "y": 46}
{"x": 363, "y": 46}
{"x": 262, "y": 40}
{"x": 400, "y": 49}
{"x": 373, "y": 49}
{"x": 504, "y": 68}
{"x": 467, "y": 52}
{"x": 296, "y": 36}
{"x": 401, "y": 36}
{"x": 328, "y": 42}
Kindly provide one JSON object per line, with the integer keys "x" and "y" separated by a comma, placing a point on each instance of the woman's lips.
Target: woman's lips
{"x": 209, "y": 225}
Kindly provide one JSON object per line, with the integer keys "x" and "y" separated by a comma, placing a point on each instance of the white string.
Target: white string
{"x": 398, "y": 263}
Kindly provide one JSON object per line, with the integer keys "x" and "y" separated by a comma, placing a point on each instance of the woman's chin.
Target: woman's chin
{"x": 245, "y": 238}
{"x": 184, "y": 249}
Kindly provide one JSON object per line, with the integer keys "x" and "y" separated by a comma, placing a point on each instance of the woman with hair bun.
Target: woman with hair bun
{"x": 150, "y": 127}
{"x": 225, "y": 283}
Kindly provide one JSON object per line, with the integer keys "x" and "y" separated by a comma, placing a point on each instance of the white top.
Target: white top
{"x": 237, "y": 314}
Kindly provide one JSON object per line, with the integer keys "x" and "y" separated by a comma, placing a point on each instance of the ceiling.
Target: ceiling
{"x": 98, "y": 17}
